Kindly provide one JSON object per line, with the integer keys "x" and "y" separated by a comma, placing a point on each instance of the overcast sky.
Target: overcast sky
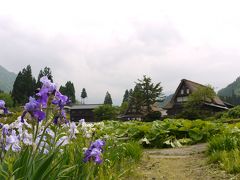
{"x": 107, "y": 45}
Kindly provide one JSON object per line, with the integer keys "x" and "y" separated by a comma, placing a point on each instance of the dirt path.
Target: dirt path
{"x": 186, "y": 163}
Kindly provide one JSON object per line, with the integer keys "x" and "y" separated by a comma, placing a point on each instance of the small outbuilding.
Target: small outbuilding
{"x": 83, "y": 111}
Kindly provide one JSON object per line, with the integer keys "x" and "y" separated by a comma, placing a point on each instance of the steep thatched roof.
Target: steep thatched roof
{"x": 192, "y": 86}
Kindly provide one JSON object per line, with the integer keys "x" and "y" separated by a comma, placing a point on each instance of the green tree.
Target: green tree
{"x": 136, "y": 101}
{"x": 24, "y": 86}
{"x": 108, "y": 99}
{"x": 203, "y": 94}
{"x": 193, "y": 107}
{"x": 125, "y": 102}
{"x": 123, "y": 107}
{"x": 69, "y": 91}
{"x": 7, "y": 98}
{"x": 126, "y": 96}
{"x": 62, "y": 90}
{"x": 105, "y": 112}
{"x": 45, "y": 72}
{"x": 150, "y": 92}
{"x": 83, "y": 95}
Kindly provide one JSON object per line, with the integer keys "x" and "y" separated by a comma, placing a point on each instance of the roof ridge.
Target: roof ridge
{"x": 193, "y": 82}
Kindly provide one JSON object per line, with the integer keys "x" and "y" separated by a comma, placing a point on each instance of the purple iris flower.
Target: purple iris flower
{"x": 98, "y": 143}
{"x": 43, "y": 96}
{"x": 32, "y": 105}
{"x": 61, "y": 117}
{"x": 48, "y": 84}
{"x": 2, "y": 106}
{"x": 34, "y": 108}
{"x": 47, "y": 88}
{"x": 55, "y": 119}
{"x": 94, "y": 152}
{"x": 5, "y": 129}
{"x": 60, "y": 100}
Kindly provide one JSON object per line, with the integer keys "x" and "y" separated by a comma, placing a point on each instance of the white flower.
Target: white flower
{"x": 73, "y": 130}
{"x": 88, "y": 135}
{"x": 63, "y": 141}
{"x": 12, "y": 141}
{"x": 84, "y": 149}
{"x": 106, "y": 136}
{"x": 5, "y": 129}
{"x": 27, "y": 138}
{"x": 50, "y": 132}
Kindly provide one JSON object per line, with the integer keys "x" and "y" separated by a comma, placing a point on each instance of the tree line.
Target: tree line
{"x": 26, "y": 85}
{"x": 137, "y": 100}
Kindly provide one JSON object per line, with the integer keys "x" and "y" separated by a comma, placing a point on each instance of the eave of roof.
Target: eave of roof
{"x": 215, "y": 105}
{"x": 85, "y": 106}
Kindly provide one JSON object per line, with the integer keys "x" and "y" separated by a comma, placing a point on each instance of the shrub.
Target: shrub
{"x": 106, "y": 112}
{"x": 155, "y": 115}
{"x": 7, "y": 98}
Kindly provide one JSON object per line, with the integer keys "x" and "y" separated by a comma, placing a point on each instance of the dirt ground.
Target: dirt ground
{"x": 186, "y": 163}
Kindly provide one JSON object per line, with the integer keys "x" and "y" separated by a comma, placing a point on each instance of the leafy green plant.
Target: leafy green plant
{"x": 224, "y": 149}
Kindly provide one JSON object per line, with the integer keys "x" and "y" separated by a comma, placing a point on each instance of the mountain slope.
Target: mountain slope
{"x": 6, "y": 79}
{"x": 232, "y": 89}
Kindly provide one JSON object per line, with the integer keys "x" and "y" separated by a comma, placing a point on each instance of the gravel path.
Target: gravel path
{"x": 186, "y": 163}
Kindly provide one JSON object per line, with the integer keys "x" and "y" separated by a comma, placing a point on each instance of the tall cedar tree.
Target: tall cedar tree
{"x": 108, "y": 99}
{"x": 136, "y": 100}
{"x": 45, "y": 72}
{"x": 83, "y": 95}
{"x": 24, "y": 86}
{"x": 144, "y": 95}
{"x": 125, "y": 96}
{"x": 151, "y": 92}
{"x": 124, "y": 105}
{"x": 69, "y": 91}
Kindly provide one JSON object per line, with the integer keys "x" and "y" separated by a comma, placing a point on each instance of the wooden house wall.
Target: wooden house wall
{"x": 87, "y": 114}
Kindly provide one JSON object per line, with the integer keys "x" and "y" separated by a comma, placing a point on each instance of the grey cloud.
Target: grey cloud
{"x": 155, "y": 49}
{"x": 19, "y": 47}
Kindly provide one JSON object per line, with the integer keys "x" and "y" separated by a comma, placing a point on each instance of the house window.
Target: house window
{"x": 182, "y": 99}
{"x": 179, "y": 99}
{"x": 182, "y": 91}
{"x": 188, "y": 91}
{"x": 185, "y": 98}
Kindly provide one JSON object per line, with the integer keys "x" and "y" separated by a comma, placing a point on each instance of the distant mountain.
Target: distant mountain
{"x": 6, "y": 79}
{"x": 231, "y": 93}
{"x": 166, "y": 100}
{"x": 232, "y": 89}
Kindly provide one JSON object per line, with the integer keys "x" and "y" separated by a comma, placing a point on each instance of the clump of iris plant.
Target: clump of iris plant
{"x": 94, "y": 152}
{"x": 39, "y": 143}
{"x": 47, "y": 95}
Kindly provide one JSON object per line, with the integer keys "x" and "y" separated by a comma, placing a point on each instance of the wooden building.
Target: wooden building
{"x": 131, "y": 113}
{"x": 83, "y": 111}
{"x": 185, "y": 88}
